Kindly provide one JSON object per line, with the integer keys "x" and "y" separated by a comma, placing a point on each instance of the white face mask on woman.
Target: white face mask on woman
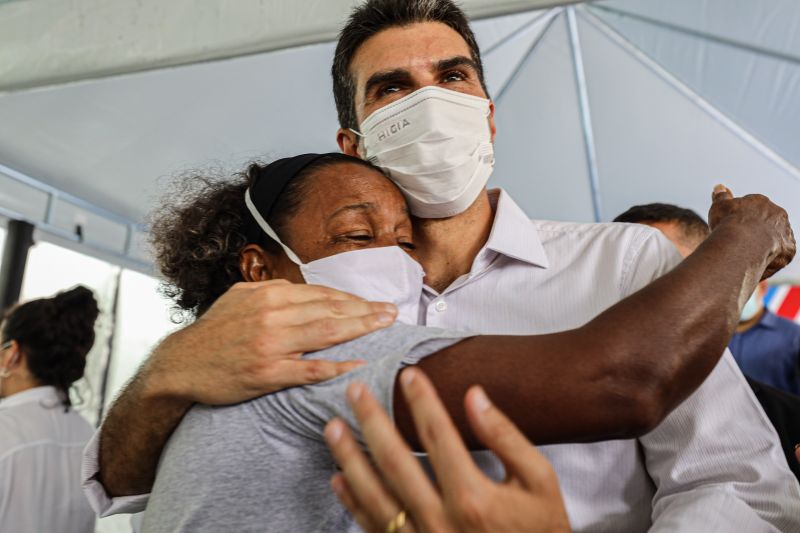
{"x": 436, "y": 145}
{"x": 386, "y": 274}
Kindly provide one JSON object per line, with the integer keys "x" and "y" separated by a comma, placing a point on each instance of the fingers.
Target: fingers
{"x": 450, "y": 459}
{"x": 306, "y": 312}
{"x": 291, "y": 373}
{"x": 721, "y": 192}
{"x": 500, "y": 435}
{"x": 367, "y": 491}
{"x": 398, "y": 467}
{"x": 323, "y": 333}
{"x": 345, "y": 495}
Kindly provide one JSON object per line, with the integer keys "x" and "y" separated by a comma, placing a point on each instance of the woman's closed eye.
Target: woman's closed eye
{"x": 363, "y": 237}
{"x": 353, "y": 238}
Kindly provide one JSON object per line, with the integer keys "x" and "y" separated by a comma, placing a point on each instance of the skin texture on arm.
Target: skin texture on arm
{"x": 246, "y": 345}
{"x": 619, "y": 375}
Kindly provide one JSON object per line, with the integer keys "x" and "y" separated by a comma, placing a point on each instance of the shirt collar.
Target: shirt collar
{"x": 769, "y": 320}
{"x": 31, "y": 395}
{"x": 513, "y": 233}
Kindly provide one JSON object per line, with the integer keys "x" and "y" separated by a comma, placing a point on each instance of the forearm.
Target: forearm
{"x": 670, "y": 335}
{"x": 136, "y": 430}
{"x": 622, "y": 373}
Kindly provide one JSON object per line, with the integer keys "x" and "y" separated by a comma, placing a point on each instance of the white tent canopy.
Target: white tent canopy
{"x": 599, "y": 106}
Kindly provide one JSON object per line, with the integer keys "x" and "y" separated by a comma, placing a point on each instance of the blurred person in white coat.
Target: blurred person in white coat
{"x": 44, "y": 347}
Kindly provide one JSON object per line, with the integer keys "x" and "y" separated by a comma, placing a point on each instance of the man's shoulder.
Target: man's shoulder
{"x": 610, "y": 230}
{"x": 397, "y": 339}
{"x": 618, "y": 237}
{"x": 789, "y": 327}
{"x": 633, "y": 254}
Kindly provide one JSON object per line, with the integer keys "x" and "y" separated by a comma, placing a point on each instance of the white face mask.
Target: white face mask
{"x": 386, "y": 274}
{"x": 751, "y": 308}
{"x": 436, "y": 145}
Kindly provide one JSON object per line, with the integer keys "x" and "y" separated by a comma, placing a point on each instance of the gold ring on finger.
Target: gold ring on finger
{"x": 396, "y": 523}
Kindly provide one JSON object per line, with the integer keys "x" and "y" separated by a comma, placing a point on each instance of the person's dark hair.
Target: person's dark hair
{"x": 55, "y": 334}
{"x": 200, "y": 228}
{"x": 692, "y": 224}
{"x": 374, "y": 16}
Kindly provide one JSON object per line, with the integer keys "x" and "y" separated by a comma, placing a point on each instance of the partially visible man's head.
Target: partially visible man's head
{"x": 685, "y": 228}
{"x": 388, "y": 70}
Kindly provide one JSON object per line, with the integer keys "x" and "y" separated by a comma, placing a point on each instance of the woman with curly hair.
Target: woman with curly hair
{"x": 44, "y": 347}
{"x": 263, "y": 464}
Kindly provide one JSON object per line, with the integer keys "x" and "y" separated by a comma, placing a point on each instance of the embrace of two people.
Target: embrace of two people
{"x": 317, "y": 278}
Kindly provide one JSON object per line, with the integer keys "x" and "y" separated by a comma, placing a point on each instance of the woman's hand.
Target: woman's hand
{"x": 466, "y": 500}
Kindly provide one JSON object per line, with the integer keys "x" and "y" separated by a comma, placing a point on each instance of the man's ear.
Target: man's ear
{"x": 348, "y": 142}
{"x": 255, "y": 264}
{"x": 12, "y": 357}
{"x": 492, "y": 126}
{"x": 763, "y": 286}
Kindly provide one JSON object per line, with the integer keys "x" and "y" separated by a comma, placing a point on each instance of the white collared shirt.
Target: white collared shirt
{"x": 40, "y": 460}
{"x": 714, "y": 464}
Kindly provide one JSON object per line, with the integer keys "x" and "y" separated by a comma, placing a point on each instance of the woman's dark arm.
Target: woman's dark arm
{"x": 621, "y": 374}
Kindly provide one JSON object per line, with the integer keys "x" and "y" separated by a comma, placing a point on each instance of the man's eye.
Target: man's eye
{"x": 388, "y": 89}
{"x": 408, "y": 245}
{"x": 454, "y": 76}
{"x": 363, "y": 238}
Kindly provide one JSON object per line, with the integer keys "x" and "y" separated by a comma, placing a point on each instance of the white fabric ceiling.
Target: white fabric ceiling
{"x": 677, "y": 97}
{"x": 59, "y": 41}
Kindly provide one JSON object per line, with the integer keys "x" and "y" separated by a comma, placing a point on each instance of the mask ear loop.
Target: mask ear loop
{"x": 267, "y": 229}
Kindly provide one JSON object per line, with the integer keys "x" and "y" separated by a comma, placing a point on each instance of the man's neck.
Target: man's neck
{"x": 750, "y": 324}
{"x": 447, "y": 246}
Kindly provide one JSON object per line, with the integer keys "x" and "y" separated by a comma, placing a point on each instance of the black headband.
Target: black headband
{"x": 270, "y": 183}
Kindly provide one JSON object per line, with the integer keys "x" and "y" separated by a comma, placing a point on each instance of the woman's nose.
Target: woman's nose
{"x": 386, "y": 239}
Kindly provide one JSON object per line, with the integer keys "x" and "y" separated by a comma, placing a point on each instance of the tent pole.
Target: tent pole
{"x": 586, "y": 115}
{"x": 733, "y": 43}
{"x": 703, "y": 104}
{"x": 553, "y": 14}
{"x": 19, "y": 239}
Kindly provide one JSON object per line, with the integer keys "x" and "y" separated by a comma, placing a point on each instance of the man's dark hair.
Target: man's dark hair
{"x": 692, "y": 224}
{"x": 374, "y": 16}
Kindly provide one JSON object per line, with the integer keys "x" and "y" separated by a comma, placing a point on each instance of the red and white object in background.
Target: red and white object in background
{"x": 784, "y": 301}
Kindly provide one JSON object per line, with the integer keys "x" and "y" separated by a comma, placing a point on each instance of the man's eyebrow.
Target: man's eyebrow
{"x": 353, "y": 207}
{"x": 457, "y": 61}
{"x": 379, "y": 78}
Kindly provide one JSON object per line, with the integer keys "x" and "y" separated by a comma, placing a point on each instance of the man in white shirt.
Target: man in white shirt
{"x": 713, "y": 464}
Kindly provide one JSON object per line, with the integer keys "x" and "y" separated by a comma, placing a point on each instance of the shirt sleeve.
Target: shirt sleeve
{"x": 716, "y": 460}
{"x": 103, "y": 504}
{"x": 717, "y": 463}
{"x": 650, "y": 256}
{"x": 306, "y": 410}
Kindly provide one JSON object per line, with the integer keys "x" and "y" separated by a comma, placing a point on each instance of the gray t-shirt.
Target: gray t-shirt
{"x": 263, "y": 465}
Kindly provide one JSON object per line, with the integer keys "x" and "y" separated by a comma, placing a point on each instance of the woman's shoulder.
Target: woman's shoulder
{"x": 397, "y": 339}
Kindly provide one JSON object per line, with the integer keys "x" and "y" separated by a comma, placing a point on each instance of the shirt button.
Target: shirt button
{"x": 441, "y": 306}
